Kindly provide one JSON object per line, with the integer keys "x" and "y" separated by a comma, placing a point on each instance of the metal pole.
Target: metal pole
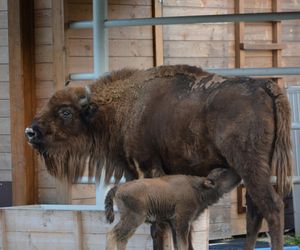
{"x": 224, "y": 72}
{"x": 257, "y": 71}
{"x": 296, "y": 126}
{"x": 100, "y": 38}
{"x": 81, "y": 76}
{"x": 246, "y": 17}
{"x": 81, "y": 25}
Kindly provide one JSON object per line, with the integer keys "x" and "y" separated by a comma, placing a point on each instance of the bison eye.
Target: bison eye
{"x": 66, "y": 114}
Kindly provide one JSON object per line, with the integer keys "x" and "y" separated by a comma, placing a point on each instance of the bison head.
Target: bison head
{"x": 61, "y": 130}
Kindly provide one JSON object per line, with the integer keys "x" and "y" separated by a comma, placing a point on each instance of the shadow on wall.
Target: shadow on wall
{"x": 5, "y": 194}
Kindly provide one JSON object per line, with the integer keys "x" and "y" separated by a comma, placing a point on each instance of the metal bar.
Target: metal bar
{"x": 81, "y": 25}
{"x": 257, "y": 71}
{"x": 292, "y": 89}
{"x": 295, "y": 126}
{"x": 295, "y": 179}
{"x": 100, "y": 41}
{"x": 248, "y": 17}
{"x": 81, "y": 76}
{"x": 68, "y": 207}
{"x": 86, "y": 180}
{"x": 224, "y": 72}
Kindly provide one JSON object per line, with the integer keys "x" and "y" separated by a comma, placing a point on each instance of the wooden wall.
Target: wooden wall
{"x": 5, "y": 151}
{"x": 206, "y": 45}
{"x": 212, "y": 45}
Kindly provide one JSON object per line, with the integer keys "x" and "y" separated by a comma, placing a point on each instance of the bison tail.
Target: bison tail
{"x": 282, "y": 155}
{"x": 109, "y": 204}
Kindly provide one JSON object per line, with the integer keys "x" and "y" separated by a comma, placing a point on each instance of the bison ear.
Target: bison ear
{"x": 208, "y": 183}
{"x": 89, "y": 111}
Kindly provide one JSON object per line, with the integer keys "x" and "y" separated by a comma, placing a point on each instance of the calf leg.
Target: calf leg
{"x": 190, "y": 243}
{"x": 119, "y": 236}
{"x": 182, "y": 238}
{"x": 123, "y": 230}
{"x": 158, "y": 230}
{"x": 254, "y": 221}
{"x": 110, "y": 240}
{"x": 181, "y": 230}
{"x": 190, "y": 239}
{"x": 174, "y": 234}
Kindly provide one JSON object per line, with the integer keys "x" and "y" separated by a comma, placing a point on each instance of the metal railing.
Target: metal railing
{"x": 100, "y": 23}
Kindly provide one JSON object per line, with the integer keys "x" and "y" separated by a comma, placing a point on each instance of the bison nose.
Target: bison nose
{"x": 30, "y": 133}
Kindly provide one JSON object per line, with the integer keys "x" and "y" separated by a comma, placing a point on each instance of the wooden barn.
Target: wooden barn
{"x": 44, "y": 44}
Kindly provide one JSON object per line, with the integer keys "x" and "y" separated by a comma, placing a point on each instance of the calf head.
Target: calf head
{"x": 222, "y": 179}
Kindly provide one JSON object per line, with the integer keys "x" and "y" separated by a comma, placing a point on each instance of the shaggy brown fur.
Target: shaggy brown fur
{"x": 159, "y": 199}
{"x": 174, "y": 120}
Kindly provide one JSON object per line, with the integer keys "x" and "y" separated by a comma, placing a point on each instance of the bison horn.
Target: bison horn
{"x": 84, "y": 100}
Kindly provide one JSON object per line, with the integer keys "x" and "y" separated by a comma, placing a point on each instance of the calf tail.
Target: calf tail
{"x": 109, "y": 204}
{"x": 282, "y": 147}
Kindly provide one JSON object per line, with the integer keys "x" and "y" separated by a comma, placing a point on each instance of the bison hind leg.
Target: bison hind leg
{"x": 253, "y": 223}
{"x": 256, "y": 175}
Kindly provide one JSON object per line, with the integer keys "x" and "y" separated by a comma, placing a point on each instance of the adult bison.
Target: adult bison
{"x": 171, "y": 120}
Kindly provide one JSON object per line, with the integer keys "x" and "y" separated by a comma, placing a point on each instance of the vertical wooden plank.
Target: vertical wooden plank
{"x": 158, "y": 34}
{"x": 276, "y": 34}
{"x": 22, "y": 96}
{"x": 3, "y": 239}
{"x": 78, "y": 230}
{"x": 241, "y": 209}
{"x": 277, "y": 38}
{"x": 63, "y": 188}
{"x": 59, "y": 51}
{"x": 239, "y": 29}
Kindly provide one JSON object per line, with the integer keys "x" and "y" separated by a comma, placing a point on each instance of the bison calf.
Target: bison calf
{"x": 176, "y": 199}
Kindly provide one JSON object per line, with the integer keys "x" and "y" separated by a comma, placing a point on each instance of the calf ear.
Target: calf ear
{"x": 89, "y": 111}
{"x": 208, "y": 183}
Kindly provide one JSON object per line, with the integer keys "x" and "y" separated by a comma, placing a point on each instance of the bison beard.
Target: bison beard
{"x": 174, "y": 120}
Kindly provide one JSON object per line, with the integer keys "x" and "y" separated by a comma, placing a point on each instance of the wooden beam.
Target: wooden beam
{"x": 277, "y": 38}
{"x": 22, "y": 98}
{"x": 262, "y": 46}
{"x": 3, "y": 235}
{"x": 239, "y": 29}
{"x": 59, "y": 45}
{"x": 78, "y": 230}
{"x": 63, "y": 187}
{"x": 241, "y": 209}
{"x": 276, "y": 34}
{"x": 158, "y": 34}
